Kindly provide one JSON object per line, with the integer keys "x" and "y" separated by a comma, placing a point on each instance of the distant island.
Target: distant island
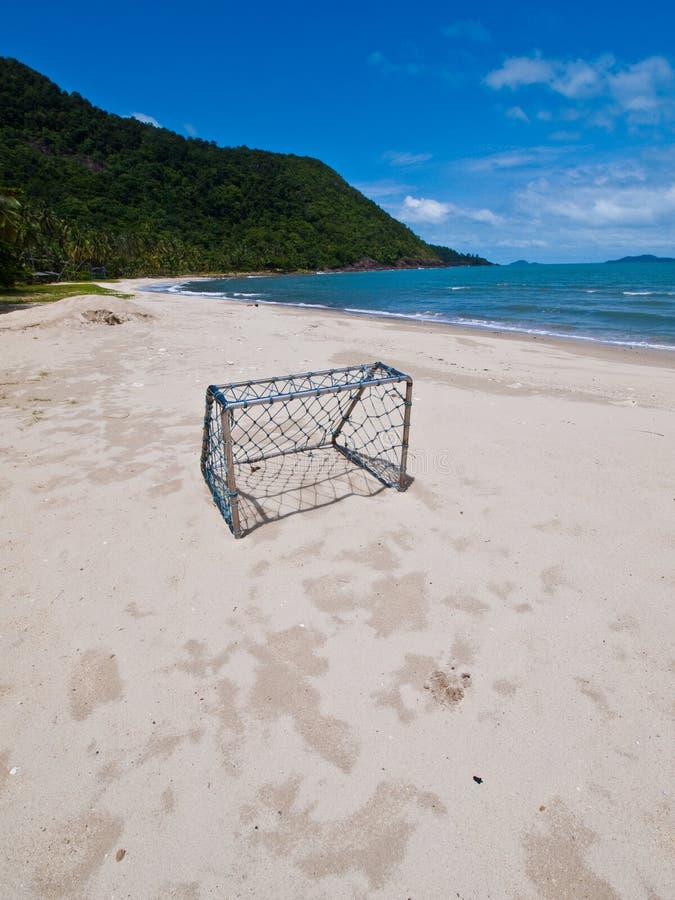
{"x": 645, "y": 258}
{"x": 523, "y": 262}
{"x": 84, "y": 192}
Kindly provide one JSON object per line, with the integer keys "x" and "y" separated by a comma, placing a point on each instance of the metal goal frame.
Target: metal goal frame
{"x": 361, "y": 411}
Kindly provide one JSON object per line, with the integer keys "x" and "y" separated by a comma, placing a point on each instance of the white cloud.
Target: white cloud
{"x": 147, "y": 120}
{"x": 517, "y": 113}
{"x": 563, "y": 205}
{"x": 406, "y": 159}
{"x": 468, "y": 29}
{"x": 641, "y": 89}
{"x": 521, "y": 70}
{"x": 609, "y": 173}
{"x": 574, "y": 80}
{"x": 477, "y": 215}
{"x": 510, "y": 159}
{"x": 596, "y": 206}
{"x": 190, "y": 129}
{"x": 644, "y": 91}
{"x": 579, "y": 79}
{"x": 423, "y": 209}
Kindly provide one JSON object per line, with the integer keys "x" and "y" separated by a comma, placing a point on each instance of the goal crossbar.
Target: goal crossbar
{"x": 246, "y": 393}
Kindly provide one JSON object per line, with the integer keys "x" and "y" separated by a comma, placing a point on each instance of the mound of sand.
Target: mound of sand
{"x": 82, "y": 311}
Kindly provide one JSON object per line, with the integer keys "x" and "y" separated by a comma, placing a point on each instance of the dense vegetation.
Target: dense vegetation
{"x": 452, "y": 258}
{"x": 82, "y": 188}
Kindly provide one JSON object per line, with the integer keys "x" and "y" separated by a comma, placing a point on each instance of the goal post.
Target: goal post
{"x": 362, "y": 412}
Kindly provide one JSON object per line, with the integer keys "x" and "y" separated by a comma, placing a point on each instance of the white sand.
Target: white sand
{"x": 301, "y": 714}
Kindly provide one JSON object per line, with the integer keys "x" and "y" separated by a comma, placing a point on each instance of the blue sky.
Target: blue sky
{"x": 544, "y": 132}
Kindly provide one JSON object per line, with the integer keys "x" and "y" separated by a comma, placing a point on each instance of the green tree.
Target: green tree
{"x": 10, "y": 237}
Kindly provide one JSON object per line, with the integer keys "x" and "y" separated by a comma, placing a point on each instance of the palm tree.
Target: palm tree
{"x": 10, "y": 232}
{"x": 10, "y": 216}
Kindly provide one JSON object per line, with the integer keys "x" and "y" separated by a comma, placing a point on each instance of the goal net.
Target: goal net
{"x": 361, "y": 412}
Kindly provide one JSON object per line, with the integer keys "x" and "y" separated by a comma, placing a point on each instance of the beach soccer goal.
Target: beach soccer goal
{"x": 361, "y": 412}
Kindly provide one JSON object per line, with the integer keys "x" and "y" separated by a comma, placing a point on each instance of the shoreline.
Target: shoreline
{"x": 580, "y": 345}
{"x": 384, "y": 315}
{"x": 576, "y": 342}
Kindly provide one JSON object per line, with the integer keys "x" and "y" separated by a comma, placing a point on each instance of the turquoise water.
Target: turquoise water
{"x": 626, "y": 303}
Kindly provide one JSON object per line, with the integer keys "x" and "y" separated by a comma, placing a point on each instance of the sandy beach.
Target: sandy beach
{"x": 459, "y": 691}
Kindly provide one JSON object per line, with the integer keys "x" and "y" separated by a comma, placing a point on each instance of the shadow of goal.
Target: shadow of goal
{"x": 360, "y": 412}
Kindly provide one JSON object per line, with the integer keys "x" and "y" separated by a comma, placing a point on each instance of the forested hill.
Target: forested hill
{"x": 95, "y": 189}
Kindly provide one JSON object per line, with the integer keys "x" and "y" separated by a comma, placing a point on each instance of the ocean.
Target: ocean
{"x": 629, "y": 304}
